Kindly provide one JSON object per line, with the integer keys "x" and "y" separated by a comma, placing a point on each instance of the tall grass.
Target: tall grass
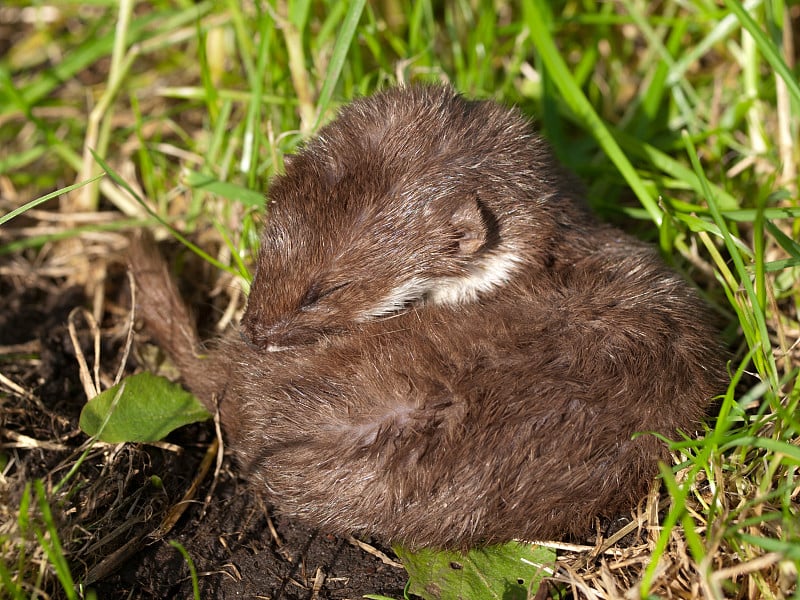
{"x": 681, "y": 118}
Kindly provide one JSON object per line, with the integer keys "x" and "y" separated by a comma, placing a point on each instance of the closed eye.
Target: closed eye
{"x": 315, "y": 294}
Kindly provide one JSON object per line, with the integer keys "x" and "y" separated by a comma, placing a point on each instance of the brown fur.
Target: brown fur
{"x": 365, "y": 398}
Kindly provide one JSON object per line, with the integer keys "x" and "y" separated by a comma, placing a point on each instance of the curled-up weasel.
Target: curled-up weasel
{"x": 442, "y": 346}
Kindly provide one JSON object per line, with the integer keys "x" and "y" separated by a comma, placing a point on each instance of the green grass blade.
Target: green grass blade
{"x": 649, "y": 154}
{"x": 21, "y": 160}
{"x": 789, "y": 245}
{"x": 52, "y": 546}
{"x": 7, "y": 584}
{"x": 718, "y": 33}
{"x": 34, "y": 203}
{"x": 767, "y": 49}
{"x": 788, "y": 451}
{"x": 789, "y": 549}
{"x": 760, "y": 336}
{"x": 243, "y": 39}
{"x": 180, "y": 237}
{"x": 231, "y": 191}
{"x": 91, "y": 51}
{"x": 37, "y": 241}
{"x": 340, "y": 50}
{"x": 678, "y": 493}
{"x": 252, "y": 137}
{"x": 574, "y": 97}
{"x": 192, "y": 571}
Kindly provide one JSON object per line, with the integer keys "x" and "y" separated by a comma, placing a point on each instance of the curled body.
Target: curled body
{"x": 442, "y": 347}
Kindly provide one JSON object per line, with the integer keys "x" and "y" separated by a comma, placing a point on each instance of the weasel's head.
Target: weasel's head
{"x": 412, "y": 196}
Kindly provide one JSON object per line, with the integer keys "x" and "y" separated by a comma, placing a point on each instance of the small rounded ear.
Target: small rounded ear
{"x": 470, "y": 226}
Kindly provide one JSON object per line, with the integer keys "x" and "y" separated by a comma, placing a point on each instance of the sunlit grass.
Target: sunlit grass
{"x": 681, "y": 119}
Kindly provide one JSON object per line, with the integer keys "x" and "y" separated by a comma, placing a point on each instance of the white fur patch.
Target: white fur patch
{"x": 410, "y": 291}
{"x": 491, "y": 272}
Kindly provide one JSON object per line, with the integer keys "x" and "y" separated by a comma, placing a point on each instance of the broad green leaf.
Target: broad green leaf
{"x": 147, "y": 409}
{"x": 508, "y": 572}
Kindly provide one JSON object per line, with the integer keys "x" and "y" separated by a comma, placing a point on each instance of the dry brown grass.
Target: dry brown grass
{"x": 157, "y": 108}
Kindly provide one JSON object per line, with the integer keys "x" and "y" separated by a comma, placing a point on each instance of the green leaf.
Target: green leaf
{"x": 147, "y": 408}
{"x": 228, "y": 190}
{"x": 509, "y": 572}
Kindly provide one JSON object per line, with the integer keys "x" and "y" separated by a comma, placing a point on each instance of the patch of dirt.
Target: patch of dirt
{"x": 237, "y": 556}
{"x": 109, "y": 509}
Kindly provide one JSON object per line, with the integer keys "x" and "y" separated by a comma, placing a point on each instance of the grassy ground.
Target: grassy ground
{"x": 681, "y": 117}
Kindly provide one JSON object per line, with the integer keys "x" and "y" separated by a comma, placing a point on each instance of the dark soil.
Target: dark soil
{"x": 237, "y": 557}
{"x": 108, "y": 512}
